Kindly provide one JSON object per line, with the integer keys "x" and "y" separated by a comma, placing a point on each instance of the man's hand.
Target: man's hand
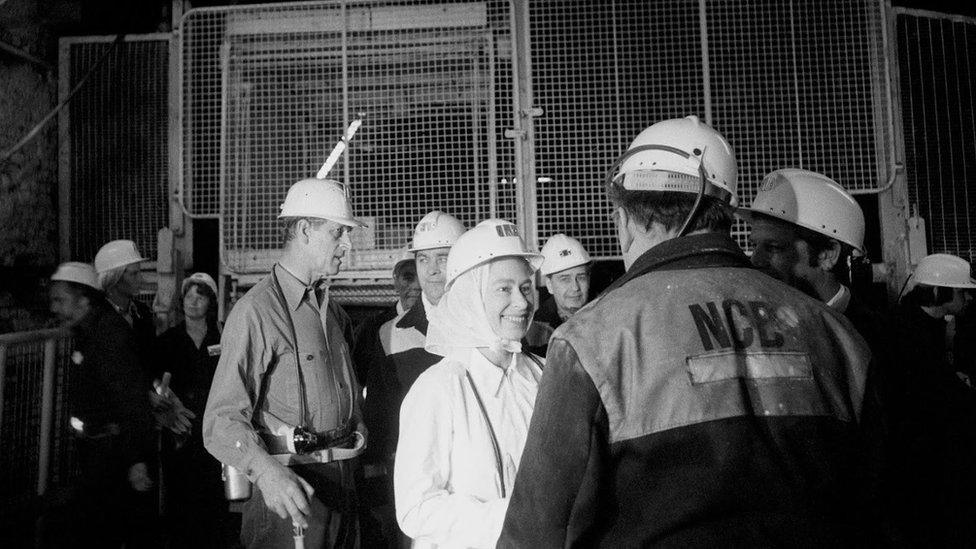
{"x": 170, "y": 412}
{"x": 139, "y": 477}
{"x": 286, "y": 493}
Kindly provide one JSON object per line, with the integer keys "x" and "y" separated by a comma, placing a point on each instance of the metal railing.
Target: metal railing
{"x": 33, "y": 415}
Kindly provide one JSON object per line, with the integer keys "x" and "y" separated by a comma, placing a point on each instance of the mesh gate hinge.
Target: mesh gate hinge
{"x": 514, "y": 134}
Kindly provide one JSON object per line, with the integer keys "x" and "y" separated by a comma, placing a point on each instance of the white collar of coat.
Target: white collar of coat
{"x": 488, "y": 377}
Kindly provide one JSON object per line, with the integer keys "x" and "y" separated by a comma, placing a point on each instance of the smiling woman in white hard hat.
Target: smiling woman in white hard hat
{"x": 933, "y": 433}
{"x": 465, "y": 420}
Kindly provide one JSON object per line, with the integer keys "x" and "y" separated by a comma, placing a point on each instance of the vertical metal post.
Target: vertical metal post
{"x": 475, "y": 87}
{"x": 64, "y": 152}
{"x": 893, "y": 204}
{"x": 492, "y": 132}
{"x": 525, "y": 127}
{"x": 706, "y": 68}
{"x": 47, "y": 415}
{"x": 345, "y": 92}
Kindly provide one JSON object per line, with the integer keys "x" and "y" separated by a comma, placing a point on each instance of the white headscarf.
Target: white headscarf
{"x": 460, "y": 323}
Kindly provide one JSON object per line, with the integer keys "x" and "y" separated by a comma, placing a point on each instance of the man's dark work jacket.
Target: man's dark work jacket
{"x": 696, "y": 403}
{"x": 399, "y": 358}
{"x": 108, "y": 388}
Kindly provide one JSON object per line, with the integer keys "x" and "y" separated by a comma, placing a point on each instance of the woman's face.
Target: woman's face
{"x": 510, "y": 297}
{"x": 195, "y": 304}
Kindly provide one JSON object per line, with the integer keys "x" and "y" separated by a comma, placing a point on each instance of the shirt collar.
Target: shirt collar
{"x": 489, "y": 378}
{"x": 841, "y": 299}
{"x": 294, "y": 289}
{"x": 399, "y": 308}
{"x": 428, "y": 306}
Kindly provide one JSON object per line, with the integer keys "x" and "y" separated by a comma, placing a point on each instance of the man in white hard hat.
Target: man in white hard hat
{"x": 566, "y": 271}
{"x": 285, "y": 391}
{"x": 399, "y": 343}
{"x": 118, "y": 266}
{"x": 806, "y": 229}
{"x": 697, "y": 402}
{"x": 932, "y": 431}
{"x": 109, "y": 411}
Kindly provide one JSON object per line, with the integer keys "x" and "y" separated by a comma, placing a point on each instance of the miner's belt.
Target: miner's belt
{"x": 278, "y": 444}
{"x": 348, "y": 448}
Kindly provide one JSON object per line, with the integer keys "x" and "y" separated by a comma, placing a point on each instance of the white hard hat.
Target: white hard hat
{"x": 115, "y": 254}
{"x": 321, "y": 199}
{"x": 944, "y": 270}
{"x": 562, "y": 252}
{"x": 436, "y": 230}
{"x": 812, "y": 201}
{"x": 202, "y": 278}
{"x": 77, "y": 272}
{"x": 675, "y": 155}
{"x": 490, "y": 239}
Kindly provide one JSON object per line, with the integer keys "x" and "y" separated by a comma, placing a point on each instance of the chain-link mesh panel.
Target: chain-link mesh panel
{"x": 428, "y": 80}
{"x": 938, "y": 77}
{"x": 800, "y": 85}
{"x": 117, "y": 149}
{"x": 790, "y": 84}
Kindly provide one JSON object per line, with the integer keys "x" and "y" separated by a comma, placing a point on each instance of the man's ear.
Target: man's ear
{"x": 828, "y": 258}
{"x": 548, "y": 281}
{"x": 303, "y": 229}
{"x": 625, "y": 230}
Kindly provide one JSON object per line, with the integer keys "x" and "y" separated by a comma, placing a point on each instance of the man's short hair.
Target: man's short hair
{"x": 291, "y": 223}
{"x": 671, "y": 209}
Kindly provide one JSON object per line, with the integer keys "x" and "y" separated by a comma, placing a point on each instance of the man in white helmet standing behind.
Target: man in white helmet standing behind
{"x": 566, "y": 273}
{"x": 401, "y": 343}
{"x": 118, "y": 266}
{"x": 109, "y": 412}
{"x": 806, "y": 228}
{"x": 932, "y": 427}
{"x": 697, "y": 402}
{"x": 285, "y": 391}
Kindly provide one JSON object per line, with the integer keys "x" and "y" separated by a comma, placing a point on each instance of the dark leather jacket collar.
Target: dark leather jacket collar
{"x": 687, "y": 252}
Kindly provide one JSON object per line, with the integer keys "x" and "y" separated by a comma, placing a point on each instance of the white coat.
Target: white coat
{"x": 447, "y": 486}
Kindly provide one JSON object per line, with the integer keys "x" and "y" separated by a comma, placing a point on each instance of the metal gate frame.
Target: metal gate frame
{"x": 949, "y": 232}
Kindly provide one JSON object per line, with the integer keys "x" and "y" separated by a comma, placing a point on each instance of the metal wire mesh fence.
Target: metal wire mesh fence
{"x": 790, "y": 84}
{"x": 38, "y": 451}
{"x": 935, "y": 55}
{"x": 267, "y": 89}
{"x": 114, "y": 143}
{"x": 426, "y": 78}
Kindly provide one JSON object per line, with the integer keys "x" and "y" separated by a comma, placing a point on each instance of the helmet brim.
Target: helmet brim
{"x": 535, "y": 262}
{"x": 749, "y": 214}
